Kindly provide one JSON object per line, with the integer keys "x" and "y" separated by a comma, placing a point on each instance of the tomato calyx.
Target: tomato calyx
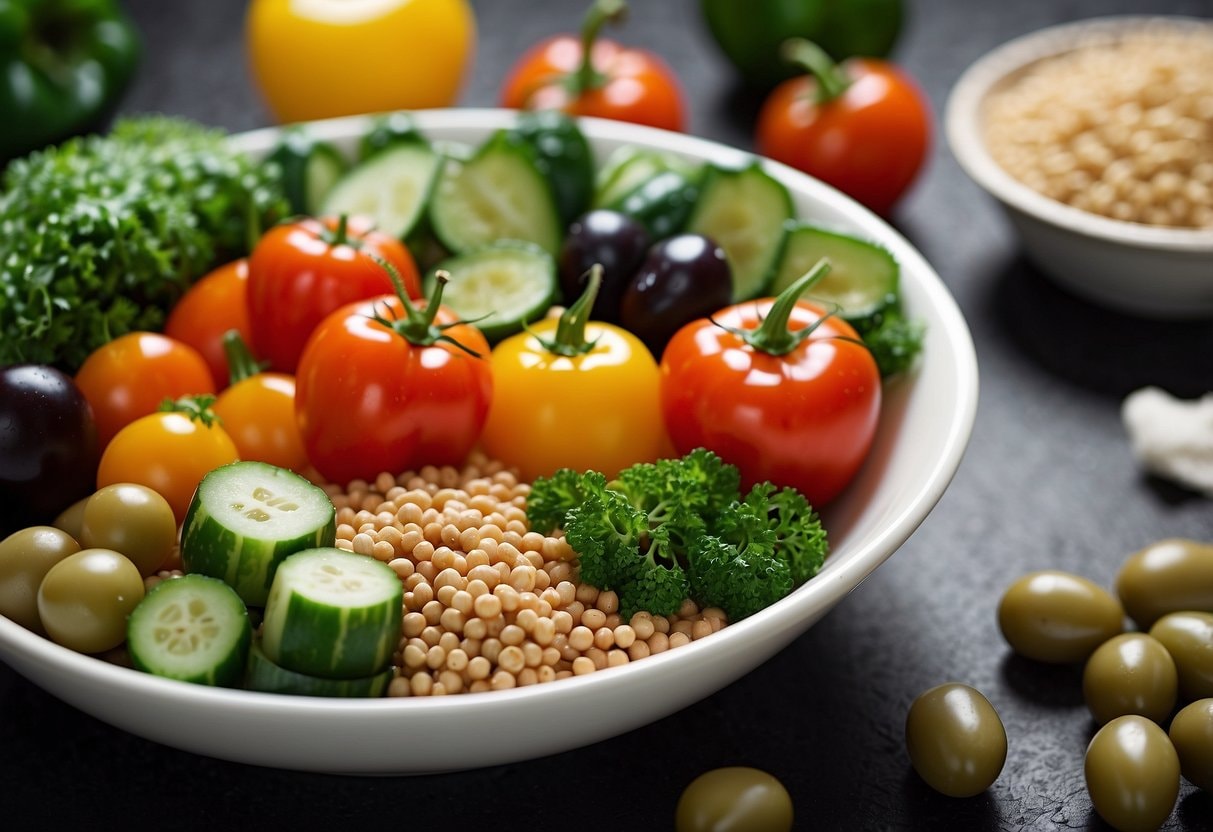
{"x": 587, "y": 77}
{"x": 240, "y": 361}
{"x": 417, "y": 326}
{"x": 773, "y": 335}
{"x": 195, "y": 408}
{"x": 569, "y": 339}
{"x": 340, "y": 236}
{"x": 832, "y": 82}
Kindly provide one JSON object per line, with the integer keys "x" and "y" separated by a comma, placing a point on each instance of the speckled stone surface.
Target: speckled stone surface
{"x": 1048, "y": 482}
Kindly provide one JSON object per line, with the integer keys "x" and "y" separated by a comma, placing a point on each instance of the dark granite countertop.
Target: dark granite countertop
{"x": 1048, "y": 481}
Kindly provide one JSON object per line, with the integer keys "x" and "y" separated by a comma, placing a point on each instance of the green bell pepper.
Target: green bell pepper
{"x": 63, "y": 66}
{"x": 750, "y": 32}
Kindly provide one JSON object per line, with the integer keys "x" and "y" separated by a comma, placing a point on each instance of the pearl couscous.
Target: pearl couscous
{"x": 488, "y": 603}
{"x": 1121, "y": 129}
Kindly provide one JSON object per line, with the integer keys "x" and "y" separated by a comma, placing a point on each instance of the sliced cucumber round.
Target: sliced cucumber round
{"x": 863, "y": 277}
{"x": 246, "y": 518}
{"x": 393, "y": 187}
{"x": 333, "y": 614}
{"x": 562, "y": 155}
{"x": 191, "y": 628}
{"x": 661, "y": 204}
{"x": 744, "y": 211}
{"x": 498, "y": 194}
{"x": 310, "y": 169}
{"x": 265, "y": 676}
{"x": 507, "y": 284}
{"x": 629, "y": 167}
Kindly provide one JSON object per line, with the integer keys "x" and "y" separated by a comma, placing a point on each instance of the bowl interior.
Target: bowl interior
{"x": 926, "y": 421}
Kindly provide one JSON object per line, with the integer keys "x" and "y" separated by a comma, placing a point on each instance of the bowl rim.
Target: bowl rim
{"x": 962, "y": 126}
{"x": 822, "y": 593}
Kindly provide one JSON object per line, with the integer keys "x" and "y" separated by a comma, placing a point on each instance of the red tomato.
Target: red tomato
{"x": 804, "y": 418}
{"x": 615, "y": 82}
{"x": 302, "y": 271}
{"x": 388, "y": 395}
{"x": 862, "y": 126}
{"x": 215, "y": 304}
{"x": 130, "y": 376}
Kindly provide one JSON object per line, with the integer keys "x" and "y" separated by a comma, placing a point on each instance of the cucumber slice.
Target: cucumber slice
{"x": 661, "y": 204}
{"x": 498, "y": 194}
{"x": 744, "y": 211}
{"x": 392, "y": 187}
{"x": 563, "y": 156}
{"x": 508, "y": 284}
{"x": 310, "y": 169}
{"x": 333, "y": 614}
{"x": 388, "y": 130}
{"x": 246, "y": 518}
{"x": 863, "y": 276}
{"x": 629, "y": 167}
{"x": 263, "y": 675}
{"x": 191, "y": 628}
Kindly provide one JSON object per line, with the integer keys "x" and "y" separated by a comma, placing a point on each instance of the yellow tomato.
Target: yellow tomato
{"x": 170, "y": 453}
{"x": 599, "y": 410}
{"x": 323, "y": 58}
{"x": 258, "y": 413}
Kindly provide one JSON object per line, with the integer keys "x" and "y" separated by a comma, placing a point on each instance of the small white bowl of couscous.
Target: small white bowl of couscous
{"x": 1097, "y": 139}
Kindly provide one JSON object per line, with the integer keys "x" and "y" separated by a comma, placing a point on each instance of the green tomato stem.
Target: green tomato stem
{"x": 570, "y": 330}
{"x": 773, "y": 336}
{"x": 197, "y": 408}
{"x": 600, "y": 13}
{"x": 418, "y": 327}
{"x": 832, "y": 82}
{"x": 240, "y": 361}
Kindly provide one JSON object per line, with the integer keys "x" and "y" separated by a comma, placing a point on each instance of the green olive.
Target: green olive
{"x": 131, "y": 519}
{"x": 25, "y": 558}
{"x": 1132, "y": 774}
{"x": 1057, "y": 617}
{"x": 85, "y": 598}
{"x": 72, "y": 518}
{"x": 1192, "y": 734}
{"x": 956, "y": 740}
{"x": 1130, "y": 674}
{"x": 734, "y": 799}
{"x": 1169, "y": 576}
{"x": 1188, "y": 637}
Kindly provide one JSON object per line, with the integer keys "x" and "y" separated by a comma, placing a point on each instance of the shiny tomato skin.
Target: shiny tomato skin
{"x": 869, "y": 143}
{"x": 215, "y": 304}
{"x": 169, "y": 453}
{"x": 130, "y": 376}
{"x": 369, "y": 401}
{"x": 639, "y": 87}
{"x": 805, "y": 419}
{"x": 598, "y": 411}
{"x": 297, "y": 277}
{"x": 258, "y": 414}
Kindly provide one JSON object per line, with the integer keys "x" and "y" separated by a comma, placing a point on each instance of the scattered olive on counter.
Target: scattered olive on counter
{"x": 85, "y": 598}
{"x": 131, "y": 519}
{"x": 1057, "y": 617}
{"x": 1132, "y": 774}
{"x": 25, "y": 558}
{"x": 734, "y": 799}
{"x": 1130, "y": 674}
{"x": 956, "y": 740}
{"x": 1188, "y": 637}
{"x": 1192, "y": 735}
{"x": 1171, "y": 575}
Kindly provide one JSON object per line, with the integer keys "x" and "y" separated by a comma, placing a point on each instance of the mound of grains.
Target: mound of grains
{"x": 1122, "y": 129}
{"x": 488, "y": 603}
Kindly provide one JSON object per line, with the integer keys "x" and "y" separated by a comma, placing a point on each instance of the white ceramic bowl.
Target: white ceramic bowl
{"x": 1147, "y": 270}
{"x": 926, "y": 423}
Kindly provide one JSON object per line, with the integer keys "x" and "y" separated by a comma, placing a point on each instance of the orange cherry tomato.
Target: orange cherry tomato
{"x": 302, "y": 271}
{"x": 382, "y": 386}
{"x": 213, "y": 306}
{"x": 777, "y": 387}
{"x": 258, "y": 411}
{"x": 169, "y": 452}
{"x": 130, "y": 376}
{"x": 862, "y": 126}
{"x": 588, "y": 76}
